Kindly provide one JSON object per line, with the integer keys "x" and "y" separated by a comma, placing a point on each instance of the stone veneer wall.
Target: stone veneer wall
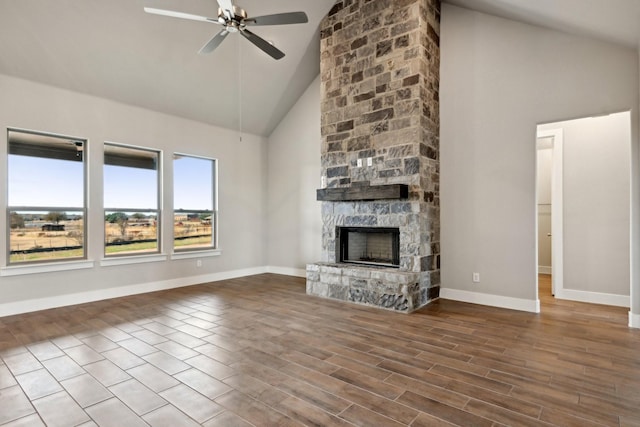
{"x": 379, "y": 76}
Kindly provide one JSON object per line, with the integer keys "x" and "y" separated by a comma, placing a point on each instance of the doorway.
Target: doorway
{"x": 583, "y": 183}
{"x": 549, "y": 182}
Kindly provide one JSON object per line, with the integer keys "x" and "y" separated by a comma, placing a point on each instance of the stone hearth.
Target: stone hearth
{"x": 380, "y": 127}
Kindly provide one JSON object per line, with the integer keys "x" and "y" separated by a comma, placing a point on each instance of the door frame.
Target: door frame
{"x": 557, "y": 251}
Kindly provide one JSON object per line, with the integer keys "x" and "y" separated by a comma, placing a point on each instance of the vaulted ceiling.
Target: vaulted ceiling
{"x": 112, "y": 49}
{"x": 615, "y": 21}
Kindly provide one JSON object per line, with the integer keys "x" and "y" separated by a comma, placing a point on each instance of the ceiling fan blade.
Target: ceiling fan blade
{"x": 279, "y": 19}
{"x": 261, "y": 43}
{"x": 180, "y": 15}
{"x": 214, "y": 42}
{"x": 227, "y": 8}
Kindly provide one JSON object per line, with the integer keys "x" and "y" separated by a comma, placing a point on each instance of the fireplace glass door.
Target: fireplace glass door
{"x": 370, "y": 245}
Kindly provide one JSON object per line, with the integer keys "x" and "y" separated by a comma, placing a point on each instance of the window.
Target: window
{"x": 131, "y": 200}
{"x": 194, "y": 203}
{"x": 46, "y": 207}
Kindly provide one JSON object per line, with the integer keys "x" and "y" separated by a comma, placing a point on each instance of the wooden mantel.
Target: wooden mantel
{"x": 363, "y": 192}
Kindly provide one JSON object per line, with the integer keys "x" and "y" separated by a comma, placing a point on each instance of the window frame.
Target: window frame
{"x": 214, "y": 247}
{"x": 83, "y": 210}
{"x": 157, "y": 211}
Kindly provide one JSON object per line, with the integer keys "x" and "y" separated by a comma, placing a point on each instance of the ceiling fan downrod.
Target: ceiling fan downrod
{"x": 233, "y": 23}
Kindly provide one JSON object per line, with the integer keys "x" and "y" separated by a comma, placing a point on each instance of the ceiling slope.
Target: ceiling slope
{"x": 112, "y": 49}
{"x": 615, "y": 21}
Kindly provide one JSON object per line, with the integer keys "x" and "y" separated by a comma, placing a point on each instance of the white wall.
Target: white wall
{"x": 294, "y": 216}
{"x": 499, "y": 79}
{"x": 545, "y": 163}
{"x": 634, "y": 313}
{"x": 242, "y": 190}
{"x": 596, "y": 181}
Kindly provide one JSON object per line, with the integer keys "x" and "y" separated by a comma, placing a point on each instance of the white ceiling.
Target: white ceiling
{"x": 112, "y": 49}
{"x": 616, "y": 21}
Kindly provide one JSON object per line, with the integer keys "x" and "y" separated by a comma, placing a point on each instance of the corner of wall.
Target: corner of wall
{"x": 293, "y": 218}
{"x": 634, "y": 319}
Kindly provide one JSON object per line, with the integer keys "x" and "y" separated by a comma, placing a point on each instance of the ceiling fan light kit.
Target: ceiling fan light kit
{"x": 234, "y": 19}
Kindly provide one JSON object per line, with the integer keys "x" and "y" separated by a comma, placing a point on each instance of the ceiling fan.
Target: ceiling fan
{"x": 234, "y": 19}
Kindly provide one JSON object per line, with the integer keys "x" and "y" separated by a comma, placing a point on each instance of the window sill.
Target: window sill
{"x": 134, "y": 259}
{"x": 18, "y": 270}
{"x": 196, "y": 254}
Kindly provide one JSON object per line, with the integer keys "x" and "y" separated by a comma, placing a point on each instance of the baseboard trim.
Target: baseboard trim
{"x": 287, "y": 271}
{"x": 634, "y": 320}
{"x": 594, "y": 297}
{"x": 27, "y": 306}
{"x": 544, "y": 269}
{"x": 532, "y": 306}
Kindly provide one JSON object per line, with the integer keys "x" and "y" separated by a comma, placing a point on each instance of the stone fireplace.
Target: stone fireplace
{"x": 380, "y": 165}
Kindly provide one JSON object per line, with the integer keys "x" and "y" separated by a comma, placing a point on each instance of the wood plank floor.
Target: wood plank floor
{"x": 258, "y": 351}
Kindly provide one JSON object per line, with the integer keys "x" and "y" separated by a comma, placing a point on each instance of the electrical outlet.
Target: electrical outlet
{"x": 199, "y": 263}
{"x": 369, "y": 161}
{"x": 476, "y": 278}
{"x": 359, "y": 163}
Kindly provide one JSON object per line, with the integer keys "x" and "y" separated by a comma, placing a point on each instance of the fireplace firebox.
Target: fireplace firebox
{"x": 376, "y": 246}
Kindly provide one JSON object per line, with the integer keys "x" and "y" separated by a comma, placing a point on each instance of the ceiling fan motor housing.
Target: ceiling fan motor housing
{"x": 235, "y": 23}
